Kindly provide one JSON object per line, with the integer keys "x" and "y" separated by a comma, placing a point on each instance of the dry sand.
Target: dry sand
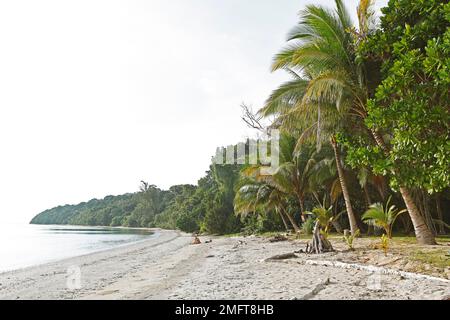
{"x": 168, "y": 267}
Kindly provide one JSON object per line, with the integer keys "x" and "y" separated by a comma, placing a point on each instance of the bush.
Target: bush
{"x": 308, "y": 226}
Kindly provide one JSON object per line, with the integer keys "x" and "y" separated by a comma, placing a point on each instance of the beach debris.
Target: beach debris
{"x": 390, "y": 261}
{"x": 210, "y": 256}
{"x": 239, "y": 243}
{"x": 374, "y": 269}
{"x": 208, "y": 241}
{"x": 283, "y": 256}
{"x": 319, "y": 287}
{"x": 196, "y": 240}
{"x": 278, "y": 238}
{"x": 320, "y": 243}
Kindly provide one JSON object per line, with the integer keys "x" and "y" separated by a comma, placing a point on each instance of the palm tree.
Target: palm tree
{"x": 298, "y": 174}
{"x": 314, "y": 121}
{"x": 324, "y": 216}
{"x": 300, "y": 170}
{"x": 351, "y": 215}
{"x": 293, "y": 176}
{"x": 321, "y": 48}
{"x": 254, "y": 197}
{"x": 382, "y": 216}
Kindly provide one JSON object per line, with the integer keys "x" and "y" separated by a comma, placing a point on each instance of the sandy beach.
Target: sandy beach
{"x": 168, "y": 267}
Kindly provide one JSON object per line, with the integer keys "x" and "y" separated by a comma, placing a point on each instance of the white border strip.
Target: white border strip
{"x": 371, "y": 268}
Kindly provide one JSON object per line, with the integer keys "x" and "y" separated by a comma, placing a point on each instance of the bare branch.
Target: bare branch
{"x": 252, "y": 119}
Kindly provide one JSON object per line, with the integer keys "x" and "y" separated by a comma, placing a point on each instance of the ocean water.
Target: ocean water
{"x": 24, "y": 245}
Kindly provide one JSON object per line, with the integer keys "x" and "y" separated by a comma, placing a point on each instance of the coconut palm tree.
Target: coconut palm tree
{"x": 300, "y": 171}
{"x": 382, "y": 216}
{"x": 254, "y": 197}
{"x": 326, "y": 70}
{"x": 314, "y": 120}
{"x": 299, "y": 174}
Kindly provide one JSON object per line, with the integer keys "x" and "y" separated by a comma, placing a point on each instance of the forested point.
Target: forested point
{"x": 364, "y": 143}
{"x": 207, "y": 207}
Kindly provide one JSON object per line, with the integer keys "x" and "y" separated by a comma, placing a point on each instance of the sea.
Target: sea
{"x": 25, "y": 245}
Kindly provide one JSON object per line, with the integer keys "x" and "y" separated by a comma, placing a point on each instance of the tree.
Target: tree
{"x": 411, "y": 104}
{"x": 259, "y": 198}
{"x": 326, "y": 51}
{"x": 220, "y": 217}
{"x": 382, "y": 216}
{"x": 319, "y": 49}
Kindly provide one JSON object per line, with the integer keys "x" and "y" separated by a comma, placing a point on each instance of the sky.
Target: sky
{"x": 97, "y": 95}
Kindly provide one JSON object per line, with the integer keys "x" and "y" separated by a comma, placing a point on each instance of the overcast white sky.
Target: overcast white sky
{"x": 96, "y": 95}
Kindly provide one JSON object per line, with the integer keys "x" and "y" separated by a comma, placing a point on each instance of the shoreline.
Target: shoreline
{"x": 168, "y": 267}
{"x": 150, "y": 234}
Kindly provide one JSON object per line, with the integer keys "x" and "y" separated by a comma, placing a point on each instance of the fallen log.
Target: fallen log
{"x": 283, "y": 256}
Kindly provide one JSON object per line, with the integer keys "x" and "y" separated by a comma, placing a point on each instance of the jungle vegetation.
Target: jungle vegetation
{"x": 364, "y": 120}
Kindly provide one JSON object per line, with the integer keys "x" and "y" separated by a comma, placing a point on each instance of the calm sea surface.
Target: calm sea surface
{"x": 27, "y": 245}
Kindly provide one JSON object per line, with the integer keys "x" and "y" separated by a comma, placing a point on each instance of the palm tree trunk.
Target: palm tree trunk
{"x": 283, "y": 218}
{"x": 302, "y": 208}
{"x": 348, "y": 204}
{"x": 423, "y": 233}
{"x": 291, "y": 219}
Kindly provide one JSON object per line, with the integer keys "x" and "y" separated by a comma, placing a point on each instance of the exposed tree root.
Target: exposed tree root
{"x": 319, "y": 243}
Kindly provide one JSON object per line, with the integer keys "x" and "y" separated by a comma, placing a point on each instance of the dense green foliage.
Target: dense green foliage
{"x": 207, "y": 207}
{"x": 366, "y": 114}
{"x": 108, "y": 211}
{"x": 411, "y": 106}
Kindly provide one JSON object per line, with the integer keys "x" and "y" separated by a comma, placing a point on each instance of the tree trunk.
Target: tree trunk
{"x": 319, "y": 243}
{"x": 302, "y": 208}
{"x": 283, "y": 218}
{"x": 348, "y": 205}
{"x": 423, "y": 233}
{"x": 291, "y": 219}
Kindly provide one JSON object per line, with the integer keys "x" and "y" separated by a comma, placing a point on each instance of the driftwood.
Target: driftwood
{"x": 238, "y": 244}
{"x": 283, "y": 256}
{"x": 278, "y": 238}
{"x": 319, "y": 287}
{"x": 319, "y": 243}
{"x": 374, "y": 269}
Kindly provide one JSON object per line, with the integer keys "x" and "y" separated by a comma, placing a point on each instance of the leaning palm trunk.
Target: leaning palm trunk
{"x": 348, "y": 204}
{"x": 291, "y": 219}
{"x": 423, "y": 233}
{"x": 283, "y": 218}
{"x": 302, "y": 208}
